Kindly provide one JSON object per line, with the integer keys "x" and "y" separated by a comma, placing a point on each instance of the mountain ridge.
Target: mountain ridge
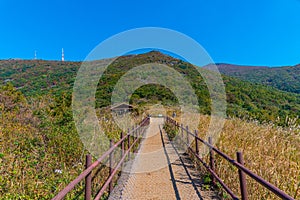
{"x": 244, "y": 99}
{"x": 286, "y": 78}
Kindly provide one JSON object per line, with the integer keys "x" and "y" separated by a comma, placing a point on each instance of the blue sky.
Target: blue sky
{"x": 256, "y": 32}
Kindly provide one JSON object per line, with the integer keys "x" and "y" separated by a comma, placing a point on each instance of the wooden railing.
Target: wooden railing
{"x": 127, "y": 143}
{"x": 239, "y": 164}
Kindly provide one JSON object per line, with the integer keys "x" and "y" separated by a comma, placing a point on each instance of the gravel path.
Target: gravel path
{"x": 159, "y": 172}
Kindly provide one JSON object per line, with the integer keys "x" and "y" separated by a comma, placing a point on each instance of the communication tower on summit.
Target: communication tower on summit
{"x": 62, "y": 55}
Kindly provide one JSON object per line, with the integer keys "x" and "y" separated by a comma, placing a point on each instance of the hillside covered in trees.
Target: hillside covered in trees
{"x": 282, "y": 78}
{"x": 244, "y": 99}
{"x": 40, "y": 149}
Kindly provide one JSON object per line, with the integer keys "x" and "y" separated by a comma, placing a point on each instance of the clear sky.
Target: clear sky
{"x": 249, "y": 32}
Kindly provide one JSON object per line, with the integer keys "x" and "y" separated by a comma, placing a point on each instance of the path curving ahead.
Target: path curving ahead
{"x": 159, "y": 172}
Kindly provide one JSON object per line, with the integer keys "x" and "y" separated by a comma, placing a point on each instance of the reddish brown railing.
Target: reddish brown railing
{"x": 242, "y": 170}
{"x": 131, "y": 138}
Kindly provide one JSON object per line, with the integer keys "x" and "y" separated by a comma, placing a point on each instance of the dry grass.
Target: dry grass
{"x": 271, "y": 152}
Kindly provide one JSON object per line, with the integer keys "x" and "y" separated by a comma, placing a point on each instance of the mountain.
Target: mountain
{"x": 244, "y": 99}
{"x": 282, "y": 78}
{"x": 34, "y": 77}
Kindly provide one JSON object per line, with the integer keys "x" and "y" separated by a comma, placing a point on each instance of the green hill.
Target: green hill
{"x": 34, "y": 77}
{"x": 245, "y": 99}
{"x": 40, "y": 151}
{"x": 282, "y": 78}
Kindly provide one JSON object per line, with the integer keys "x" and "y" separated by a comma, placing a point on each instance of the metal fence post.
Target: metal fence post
{"x": 128, "y": 144}
{"x": 196, "y": 142}
{"x": 111, "y": 155}
{"x": 88, "y": 178}
{"x": 242, "y": 177}
{"x": 187, "y": 136}
{"x": 136, "y": 138}
{"x": 211, "y": 159}
{"x": 181, "y": 127}
{"x": 140, "y": 133}
{"x": 122, "y": 144}
{"x": 133, "y": 139}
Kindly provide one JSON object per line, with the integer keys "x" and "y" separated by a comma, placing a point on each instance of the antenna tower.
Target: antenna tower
{"x": 62, "y": 55}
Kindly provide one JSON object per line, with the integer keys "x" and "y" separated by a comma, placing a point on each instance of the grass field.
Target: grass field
{"x": 41, "y": 151}
{"x": 270, "y": 151}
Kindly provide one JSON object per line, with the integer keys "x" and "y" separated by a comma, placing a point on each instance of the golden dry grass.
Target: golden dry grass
{"x": 269, "y": 151}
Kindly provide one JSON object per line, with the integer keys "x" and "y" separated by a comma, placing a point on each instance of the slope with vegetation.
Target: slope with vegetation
{"x": 245, "y": 99}
{"x": 40, "y": 151}
{"x": 39, "y": 148}
{"x": 269, "y": 151}
{"x": 282, "y": 78}
{"x": 38, "y": 77}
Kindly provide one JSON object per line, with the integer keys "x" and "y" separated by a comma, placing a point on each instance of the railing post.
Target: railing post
{"x": 128, "y": 143}
{"x": 196, "y": 142}
{"x": 187, "y": 136}
{"x": 139, "y": 133}
{"x": 142, "y": 131}
{"x": 111, "y": 155}
{"x": 211, "y": 159}
{"x": 133, "y": 138}
{"x": 181, "y": 127}
{"x": 122, "y": 144}
{"x": 242, "y": 177}
{"x": 88, "y": 178}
